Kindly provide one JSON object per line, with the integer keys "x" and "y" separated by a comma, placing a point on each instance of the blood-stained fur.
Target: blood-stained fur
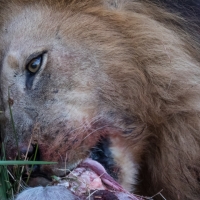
{"x": 77, "y": 74}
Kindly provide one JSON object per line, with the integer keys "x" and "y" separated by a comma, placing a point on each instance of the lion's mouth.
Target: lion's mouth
{"x": 96, "y": 173}
{"x": 100, "y": 153}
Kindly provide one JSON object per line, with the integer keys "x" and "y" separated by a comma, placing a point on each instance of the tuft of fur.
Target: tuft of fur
{"x": 123, "y": 69}
{"x": 45, "y": 193}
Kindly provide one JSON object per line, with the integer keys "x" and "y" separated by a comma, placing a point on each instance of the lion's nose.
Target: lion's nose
{"x": 26, "y": 151}
{"x": 30, "y": 153}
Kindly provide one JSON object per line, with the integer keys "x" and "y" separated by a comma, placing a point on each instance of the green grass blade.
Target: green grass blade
{"x": 35, "y": 154}
{"x": 16, "y": 162}
{"x": 12, "y": 121}
{"x": 5, "y": 186}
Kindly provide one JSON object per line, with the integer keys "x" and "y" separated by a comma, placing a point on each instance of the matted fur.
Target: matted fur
{"x": 38, "y": 193}
{"x": 125, "y": 69}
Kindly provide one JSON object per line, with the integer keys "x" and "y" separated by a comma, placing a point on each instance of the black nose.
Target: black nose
{"x": 26, "y": 151}
{"x": 30, "y": 153}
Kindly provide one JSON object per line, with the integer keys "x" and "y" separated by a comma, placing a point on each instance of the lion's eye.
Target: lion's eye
{"x": 34, "y": 65}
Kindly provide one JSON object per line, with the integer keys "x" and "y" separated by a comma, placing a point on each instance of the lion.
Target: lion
{"x": 114, "y": 80}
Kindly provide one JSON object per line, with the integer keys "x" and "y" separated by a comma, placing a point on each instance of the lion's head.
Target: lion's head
{"x": 75, "y": 74}
{"x": 63, "y": 85}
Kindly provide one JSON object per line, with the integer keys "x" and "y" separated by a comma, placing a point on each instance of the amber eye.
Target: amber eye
{"x": 34, "y": 65}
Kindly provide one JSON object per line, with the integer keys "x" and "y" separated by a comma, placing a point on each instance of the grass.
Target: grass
{"x": 5, "y": 185}
{"x": 11, "y": 177}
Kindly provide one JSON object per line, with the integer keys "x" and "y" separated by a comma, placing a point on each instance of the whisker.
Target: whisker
{"x": 95, "y": 131}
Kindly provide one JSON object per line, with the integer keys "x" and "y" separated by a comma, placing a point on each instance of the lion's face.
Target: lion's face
{"x": 56, "y": 87}
{"x": 52, "y": 85}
